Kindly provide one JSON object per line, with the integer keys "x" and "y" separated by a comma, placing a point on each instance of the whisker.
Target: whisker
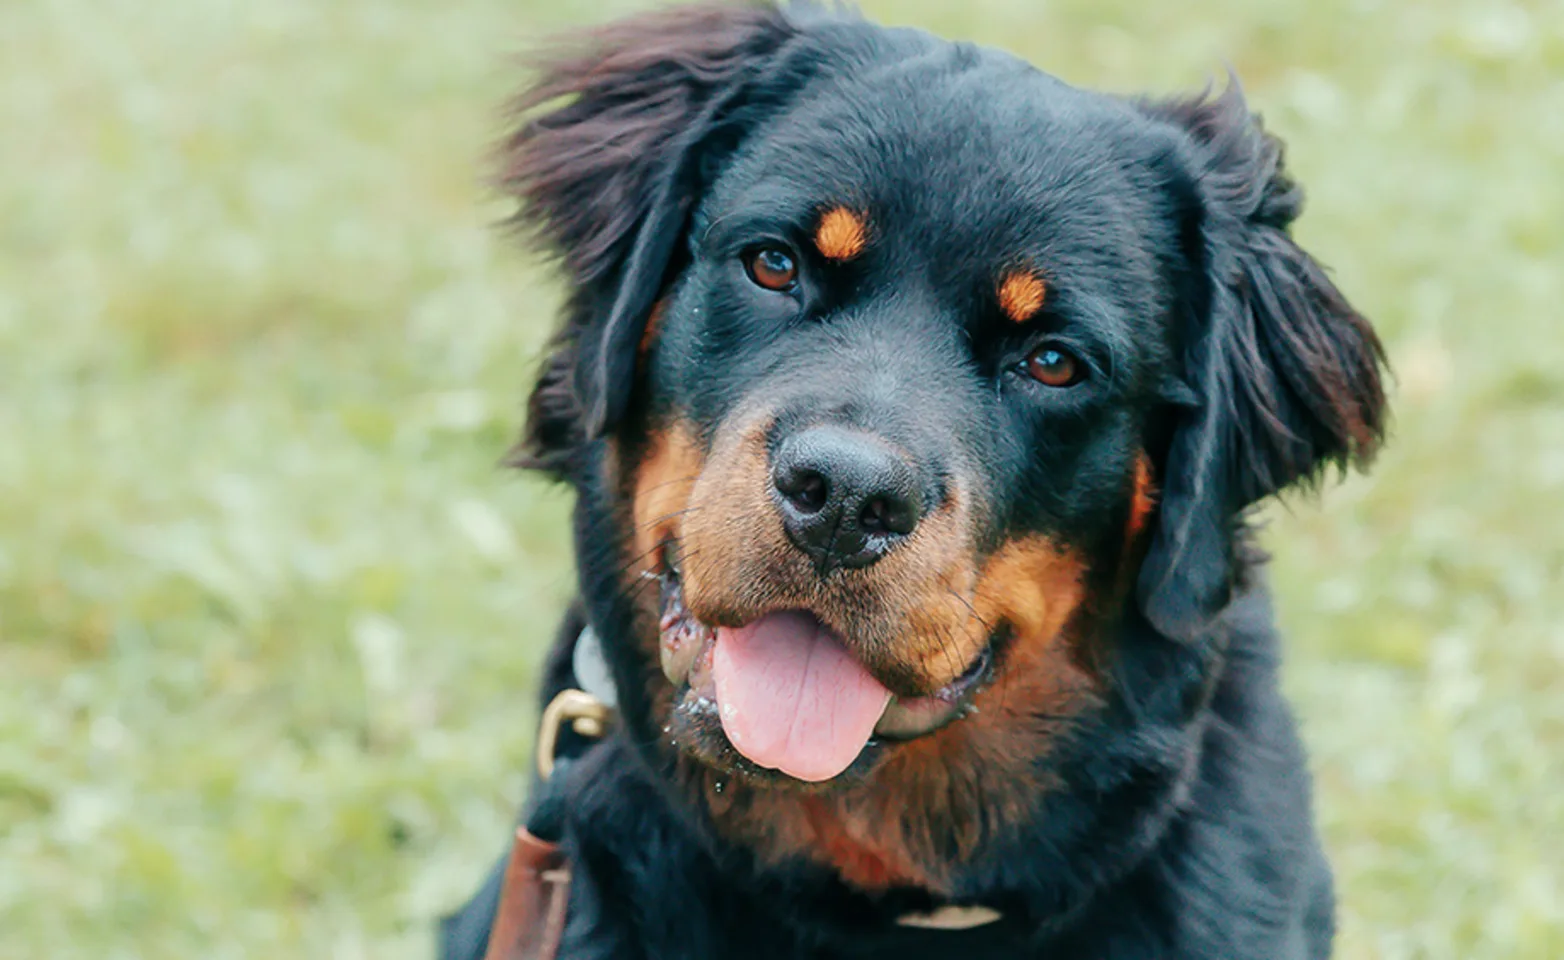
{"x": 691, "y": 478}
{"x": 971, "y": 610}
{"x": 669, "y": 516}
{"x": 625, "y": 567}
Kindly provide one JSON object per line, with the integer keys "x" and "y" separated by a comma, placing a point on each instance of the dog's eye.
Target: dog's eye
{"x": 771, "y": 267}
{"x": 1053, "y": 366}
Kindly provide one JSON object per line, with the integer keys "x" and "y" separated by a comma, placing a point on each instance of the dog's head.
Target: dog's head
{"x": 895, "y": 371}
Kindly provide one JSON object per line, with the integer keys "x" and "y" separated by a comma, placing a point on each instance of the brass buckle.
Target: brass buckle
{"x": 588, "y": 717}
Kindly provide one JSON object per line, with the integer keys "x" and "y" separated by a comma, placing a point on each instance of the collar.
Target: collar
{"x": 951, "y": 917}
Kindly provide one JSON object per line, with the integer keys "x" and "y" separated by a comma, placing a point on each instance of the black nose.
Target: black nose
{"x": 845, "y": 497}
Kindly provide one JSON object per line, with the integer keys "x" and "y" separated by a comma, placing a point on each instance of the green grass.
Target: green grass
{"x": 269, "y": 612}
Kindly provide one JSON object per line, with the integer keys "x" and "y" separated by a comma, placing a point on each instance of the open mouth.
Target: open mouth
{"x": 788, "y": 693}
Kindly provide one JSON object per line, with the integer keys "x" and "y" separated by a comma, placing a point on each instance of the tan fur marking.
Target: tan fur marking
{"x": 663, "y": 481}
{"x": 656, "y": 480}
{"x": 1021, "y": 295}
{"x": 1031, "y": 584}
{"x": 654, "y": 324}
{"x": 841, "y": 234}
{"x": 1143, "y": 500}
{"x": 1142, "y": 506}
{"x": 860, "y": 855}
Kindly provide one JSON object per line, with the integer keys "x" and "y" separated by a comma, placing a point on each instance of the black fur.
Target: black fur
{"x": 1181, "y": 824}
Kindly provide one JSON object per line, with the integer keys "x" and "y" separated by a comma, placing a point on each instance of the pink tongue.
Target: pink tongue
{"x": 792, "y": 698}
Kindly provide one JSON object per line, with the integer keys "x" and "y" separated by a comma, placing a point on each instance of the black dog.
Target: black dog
{"x": 914, "y": 400}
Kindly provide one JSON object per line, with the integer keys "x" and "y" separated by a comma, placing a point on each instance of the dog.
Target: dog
{"x": 915, "y": 402}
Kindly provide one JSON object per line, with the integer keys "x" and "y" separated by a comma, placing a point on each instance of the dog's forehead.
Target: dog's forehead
{"x": 971, "y": 151}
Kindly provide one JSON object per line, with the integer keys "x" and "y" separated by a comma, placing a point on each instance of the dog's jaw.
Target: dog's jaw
{"x": 686, "y": 648}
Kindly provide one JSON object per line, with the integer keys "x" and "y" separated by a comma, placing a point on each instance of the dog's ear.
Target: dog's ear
{"x": 1282, "y": 373}
{"x": 615, "y": 142}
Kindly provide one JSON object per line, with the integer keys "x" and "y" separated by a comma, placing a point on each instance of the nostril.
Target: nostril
{"x": 887, "y": 515}
{"x": 811, "y": 493}
{"x": 805, "y": 489}
{"x": 874, "y": 519}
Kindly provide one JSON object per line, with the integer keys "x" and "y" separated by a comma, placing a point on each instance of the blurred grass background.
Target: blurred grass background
{"x": 269, "y": 611}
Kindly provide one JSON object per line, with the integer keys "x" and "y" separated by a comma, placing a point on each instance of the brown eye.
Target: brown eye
{"x": 1054, "y": 367}
{"x": 771, "y": 267}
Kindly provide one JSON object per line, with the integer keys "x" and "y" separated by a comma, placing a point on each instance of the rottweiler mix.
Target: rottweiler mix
{"x": 914, "y": 401}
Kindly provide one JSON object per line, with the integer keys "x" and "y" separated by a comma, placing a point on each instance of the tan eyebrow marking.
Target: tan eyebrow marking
{"x": 1021, "y": 295}
{"x": 841, "y": 234}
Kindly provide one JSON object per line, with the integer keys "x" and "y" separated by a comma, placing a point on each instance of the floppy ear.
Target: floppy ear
{"x": 607, "y": 179}
{"x": 1284, "y": 371}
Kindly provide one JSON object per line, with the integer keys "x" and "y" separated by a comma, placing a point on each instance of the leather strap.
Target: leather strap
{"x": 531, "y": 919}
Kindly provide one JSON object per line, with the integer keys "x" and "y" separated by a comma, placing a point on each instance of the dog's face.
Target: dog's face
{"x": 897, "y": 372}
{"x": 897, "y": 408}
